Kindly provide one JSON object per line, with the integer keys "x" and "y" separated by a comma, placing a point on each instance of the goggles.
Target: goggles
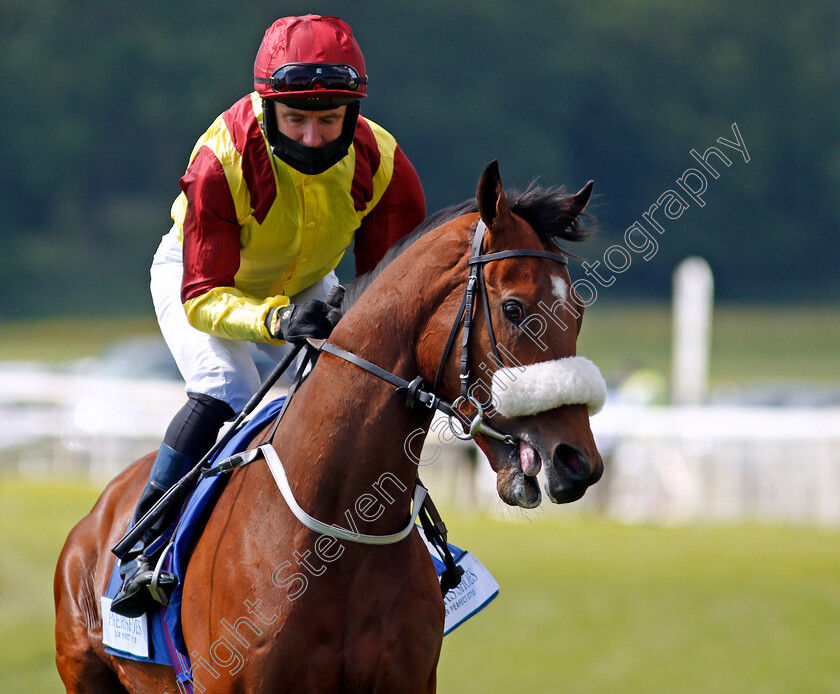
{"x": 301, "y": 77}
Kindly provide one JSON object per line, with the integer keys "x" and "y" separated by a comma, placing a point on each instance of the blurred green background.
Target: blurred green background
{"x": 103, "y": 102}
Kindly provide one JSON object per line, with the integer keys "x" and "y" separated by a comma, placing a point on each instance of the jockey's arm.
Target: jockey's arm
{"x": 211, "y": 233}
{"x": 401, "y": 209}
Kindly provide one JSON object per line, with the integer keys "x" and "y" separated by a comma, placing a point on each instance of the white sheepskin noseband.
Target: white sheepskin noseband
{"x": 527, "y": 390}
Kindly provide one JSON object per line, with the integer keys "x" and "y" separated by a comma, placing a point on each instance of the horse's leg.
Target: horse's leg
{"x": 81, "y": 576}
{"x": 78, "y": 622}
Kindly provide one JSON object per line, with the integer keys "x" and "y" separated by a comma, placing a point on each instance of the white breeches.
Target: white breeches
{"x": 223, "y": 369}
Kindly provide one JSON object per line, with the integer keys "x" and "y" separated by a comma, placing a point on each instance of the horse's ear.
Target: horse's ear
{"x": 491, "y": 198}
{"x": 580, "y": 200}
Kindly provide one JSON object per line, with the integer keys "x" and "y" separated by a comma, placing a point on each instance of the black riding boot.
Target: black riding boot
{"x": 136, "y": 567}
{"x": 189, "y": 436}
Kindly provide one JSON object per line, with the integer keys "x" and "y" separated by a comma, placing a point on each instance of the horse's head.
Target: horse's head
{"x": 524, "y": 355}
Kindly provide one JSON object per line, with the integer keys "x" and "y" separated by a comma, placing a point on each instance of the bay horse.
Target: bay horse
{"x": 319, "y": 615}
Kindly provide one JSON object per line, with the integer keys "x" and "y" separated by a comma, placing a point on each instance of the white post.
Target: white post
{"x": 692, "y": 316}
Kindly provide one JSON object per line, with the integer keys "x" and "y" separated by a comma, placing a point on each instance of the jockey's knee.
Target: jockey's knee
{"x": 196, "y": 425}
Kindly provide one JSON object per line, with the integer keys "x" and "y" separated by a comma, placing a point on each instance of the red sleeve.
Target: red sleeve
{"x": 401, "y": 208}
{"x": 211, "y": 232}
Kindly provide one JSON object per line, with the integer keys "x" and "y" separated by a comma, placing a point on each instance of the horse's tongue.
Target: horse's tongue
{"x": 529, "y": 459}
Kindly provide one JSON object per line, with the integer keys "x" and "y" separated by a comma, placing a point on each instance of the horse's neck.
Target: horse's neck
{"x": 346, "y": 433}
{"x": 343, "y": 439}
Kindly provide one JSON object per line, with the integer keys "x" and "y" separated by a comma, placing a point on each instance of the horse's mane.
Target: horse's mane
{"x": 545, "y": 209}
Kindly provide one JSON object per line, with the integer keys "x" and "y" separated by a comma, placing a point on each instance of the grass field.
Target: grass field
{"x": 34, "y": 520}
{"x": 586, "y": 606}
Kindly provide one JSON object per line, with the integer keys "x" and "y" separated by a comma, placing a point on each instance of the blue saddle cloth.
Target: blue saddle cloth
{"x": 166, "y": 639}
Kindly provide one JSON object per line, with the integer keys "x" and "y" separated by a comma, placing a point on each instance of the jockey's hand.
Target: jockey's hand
{"x": 334, "y": 299}
{"x": 295, "y": 322}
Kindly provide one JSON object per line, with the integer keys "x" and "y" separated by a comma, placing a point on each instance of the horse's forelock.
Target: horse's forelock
{"x": 545, "y": 209}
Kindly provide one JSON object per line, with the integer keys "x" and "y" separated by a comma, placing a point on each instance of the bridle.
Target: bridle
{"x": 414, "y": 390}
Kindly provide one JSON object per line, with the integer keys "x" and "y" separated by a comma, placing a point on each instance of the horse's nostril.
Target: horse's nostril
{"x": 576, "y": 466}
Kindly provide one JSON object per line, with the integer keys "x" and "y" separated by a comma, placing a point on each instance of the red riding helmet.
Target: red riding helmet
{"x": 310, "y": 57}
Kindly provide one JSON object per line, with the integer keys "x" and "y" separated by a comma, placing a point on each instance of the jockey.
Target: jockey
{"x": 275, "y": 192}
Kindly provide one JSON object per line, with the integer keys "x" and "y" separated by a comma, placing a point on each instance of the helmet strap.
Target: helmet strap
{"x": 309, "y": 160}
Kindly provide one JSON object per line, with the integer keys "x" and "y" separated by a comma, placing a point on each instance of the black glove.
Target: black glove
{"x": 334, "y": 299}
{"x": 294, "y": 323}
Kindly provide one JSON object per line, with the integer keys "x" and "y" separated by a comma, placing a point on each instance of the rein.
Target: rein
{"x": 415, "y": 393}
{"x": 414, "y": 390}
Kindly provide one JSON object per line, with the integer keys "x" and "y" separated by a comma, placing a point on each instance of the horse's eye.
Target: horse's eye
{"x": 514, "y": 311}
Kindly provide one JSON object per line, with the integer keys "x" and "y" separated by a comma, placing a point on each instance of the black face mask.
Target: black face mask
{"x": 310, "y": 160}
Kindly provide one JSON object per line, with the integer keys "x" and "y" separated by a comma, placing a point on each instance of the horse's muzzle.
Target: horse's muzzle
{"x": 570, "y": 474}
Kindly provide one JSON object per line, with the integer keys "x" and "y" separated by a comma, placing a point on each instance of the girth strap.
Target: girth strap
{"x": 435, "y": 531}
